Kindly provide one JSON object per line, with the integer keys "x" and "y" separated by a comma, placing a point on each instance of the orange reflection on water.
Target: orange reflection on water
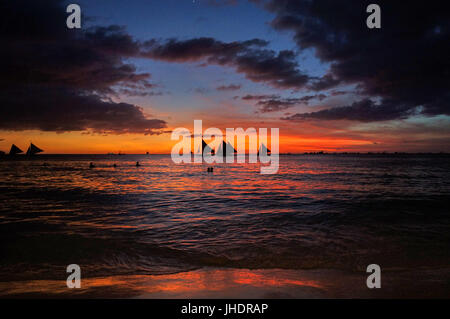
{"x": 228, "y": 282}
{"x": 210, "y": 280}
{"x": 259, "y": 280}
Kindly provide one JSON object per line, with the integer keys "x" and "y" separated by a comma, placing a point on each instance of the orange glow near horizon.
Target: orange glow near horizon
{"x": 294, "y": 138}
{"x": 79, "y": 143}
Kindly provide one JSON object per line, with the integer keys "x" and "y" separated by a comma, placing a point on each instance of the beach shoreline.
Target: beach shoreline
{"x": 217, "y": 283}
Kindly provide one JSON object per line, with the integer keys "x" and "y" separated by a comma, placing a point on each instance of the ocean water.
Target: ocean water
{"x": 339, "y": 212}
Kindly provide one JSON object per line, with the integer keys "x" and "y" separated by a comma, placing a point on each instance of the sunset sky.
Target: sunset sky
{"x": 138, "y": 69}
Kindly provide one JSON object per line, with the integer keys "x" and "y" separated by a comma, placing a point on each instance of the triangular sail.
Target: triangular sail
{"x": 15, "y": 150}
{"x": 206, "y": 149}
{"x": 231, "y": 148}
{"x": 226, "y": 149}
{"x": 263, "y": 149}
{"x": 33, "y": 149}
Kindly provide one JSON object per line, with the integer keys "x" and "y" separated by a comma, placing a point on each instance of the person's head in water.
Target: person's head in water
{"x": 137, "y": 164}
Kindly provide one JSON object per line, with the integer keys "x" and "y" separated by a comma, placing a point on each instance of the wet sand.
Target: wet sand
{"x": 242, "y": 283}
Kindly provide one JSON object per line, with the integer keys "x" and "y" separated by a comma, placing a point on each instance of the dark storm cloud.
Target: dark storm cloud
{"x": 405, "y": 61}
{"x": 138, "y": 92}
{"x": 338, "y": 93}
{"x": 230, "y": 87}
{"x": 364, "y": 111}
{"x": 275, "y": 103}
{"x": 260, "y": 97}
{"x": 62, "y": 109}
{"x": 308, "y": 98}
{"x": 326, "y": 82}
{"x": 56, "y": 79}
{"x": 251, "y": 58}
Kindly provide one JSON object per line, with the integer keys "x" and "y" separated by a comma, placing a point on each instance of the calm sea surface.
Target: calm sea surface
{"x": 319, "y": 212}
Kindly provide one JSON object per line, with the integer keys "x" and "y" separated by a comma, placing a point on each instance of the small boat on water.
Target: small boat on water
{"x": 33, "y": 150}
{"x": 15, "y": 150}
{"x": 226, "y": 149}
{"x": 205, "y": 149}
{"x": 263, "y": 149}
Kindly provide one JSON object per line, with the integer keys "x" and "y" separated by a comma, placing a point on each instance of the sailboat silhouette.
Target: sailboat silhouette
{"x": 15, "y": 150}
{"x": 33, "y": 149}
{"x": 263, "y": 148}
{"x": 206, "y": 147}
{"x": 226, "y": 149}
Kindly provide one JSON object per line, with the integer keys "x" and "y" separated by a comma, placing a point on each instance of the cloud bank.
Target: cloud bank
{"x": 56, "y": 79}
{"x": 405, "y": 63}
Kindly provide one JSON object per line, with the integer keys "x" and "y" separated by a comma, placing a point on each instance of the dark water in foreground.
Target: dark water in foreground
{"x": 319, "y": 212}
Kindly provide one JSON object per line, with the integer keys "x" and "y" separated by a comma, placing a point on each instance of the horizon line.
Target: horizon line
{"x": 281, "y": 153}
